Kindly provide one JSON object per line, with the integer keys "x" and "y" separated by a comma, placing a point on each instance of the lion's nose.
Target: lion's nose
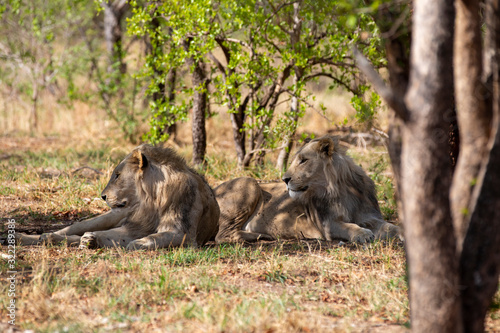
{"x": 286, "y": 179}
{"x": 103, "y": 197}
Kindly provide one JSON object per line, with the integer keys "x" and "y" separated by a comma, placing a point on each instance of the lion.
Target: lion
{"x": 324, "y": 195}
{"x": 156, "y": 201}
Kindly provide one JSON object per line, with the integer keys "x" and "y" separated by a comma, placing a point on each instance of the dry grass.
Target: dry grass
{"x": 269, "y": 287}
{"x": 273, "y": 287}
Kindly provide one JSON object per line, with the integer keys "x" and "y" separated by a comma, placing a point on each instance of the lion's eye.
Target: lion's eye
{"x": 302, "y": 161}
{"x": 117, "y": 174}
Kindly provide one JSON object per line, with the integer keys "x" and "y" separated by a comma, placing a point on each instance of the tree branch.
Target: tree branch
{"x": 394, "y": 101}
{"x": 330, "y": 76}
{"x": 242, "y": 43}
{"x": 328, "y": 61}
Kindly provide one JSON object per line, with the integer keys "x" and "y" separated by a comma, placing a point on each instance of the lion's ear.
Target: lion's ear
{"x": 140, "y": 159}
{"x": 326, "y": 146}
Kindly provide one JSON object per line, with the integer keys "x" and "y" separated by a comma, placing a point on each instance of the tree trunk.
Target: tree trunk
{"x": 237, "y": 113}
{"x": 472, "y": 115}
{"x": 114, "y": 12}
{"x": 452, "y": 279}
{"x": 171, "y": 129}
{"x": 34, "y": 106}
{"x": 427, "y": 174}
{"x": 480, "y": 258}
{"x": 237, "y": 121}
{"x": 200, "y": 105}
{"x": 284, "y": 154}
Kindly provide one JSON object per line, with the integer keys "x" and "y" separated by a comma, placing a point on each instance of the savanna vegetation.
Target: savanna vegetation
{"x": 234, "y": 86}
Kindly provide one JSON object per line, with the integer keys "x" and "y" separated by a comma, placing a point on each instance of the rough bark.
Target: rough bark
{"x": 480, "y": 258}
{"x": 440, "y": 302}
{"x": 237, "y": 122}
{"x": 426, "y": 172}
{"x": 200, "y": 104}
{"x": 472, "y": 115}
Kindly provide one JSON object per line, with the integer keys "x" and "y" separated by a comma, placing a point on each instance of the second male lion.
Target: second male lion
{"x": 156, "y": 201}
{"x": 324, "y": 195}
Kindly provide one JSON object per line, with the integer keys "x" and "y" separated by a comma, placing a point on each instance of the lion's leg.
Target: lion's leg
{"x": 160, "y": 240}
{"x": 108, "y": 220}
{"x": 25, "y": 239}
{"x": 53, "y": 238}
{"x": 71, "y": 234}
{"x": 117, "y": 237}
{"x": 348, "y": 231}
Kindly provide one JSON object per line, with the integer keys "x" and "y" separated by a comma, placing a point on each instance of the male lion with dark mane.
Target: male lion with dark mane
{"x": 324, "y": 195}
{"x": 156, "y": 201}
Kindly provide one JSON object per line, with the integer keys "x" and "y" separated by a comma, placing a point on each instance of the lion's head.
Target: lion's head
{"x": 315, "y": 169}
{"x": 121, "y": 190}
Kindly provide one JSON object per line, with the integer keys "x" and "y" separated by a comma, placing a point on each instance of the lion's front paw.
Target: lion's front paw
{"x": 362, "y": 236}
{"x": 141, "y": 244}
{"x": 88, "y": 241}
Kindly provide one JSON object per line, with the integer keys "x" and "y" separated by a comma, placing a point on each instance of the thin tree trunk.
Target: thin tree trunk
{"x": 34, "y": 106}
{"x": 398, "y": 64}
{"x": 237, "y": 121}
{"x": 171, "y": 129}
{"x": 114, "y": 12}
{"x": 200, "y": 105}
{"x": 237, "y": 113}
{"x": 199, "y": 111}
{"x": 472, "y": 115}
{"x": 426, "y": 172}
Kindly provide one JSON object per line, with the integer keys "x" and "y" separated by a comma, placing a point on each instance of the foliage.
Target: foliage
{"x": 259, "y": 53}
{"x": 365, "y": 110}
